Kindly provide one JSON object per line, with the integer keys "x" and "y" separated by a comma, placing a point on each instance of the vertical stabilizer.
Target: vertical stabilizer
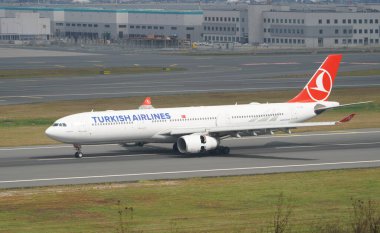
{"x": 320, "y": 85}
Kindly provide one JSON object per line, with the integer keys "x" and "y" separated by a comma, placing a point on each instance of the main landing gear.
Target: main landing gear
{"x": 220, "y": 150}
{"x": 79, "y": 153}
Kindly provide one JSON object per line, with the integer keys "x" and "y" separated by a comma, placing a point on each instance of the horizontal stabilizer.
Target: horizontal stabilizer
{"x": 321, "y": 109}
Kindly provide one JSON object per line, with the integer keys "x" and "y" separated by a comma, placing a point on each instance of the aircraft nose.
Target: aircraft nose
{"x": 49, "y": 132}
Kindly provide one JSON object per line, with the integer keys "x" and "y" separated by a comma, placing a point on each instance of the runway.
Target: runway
{"x": 203, "y": 74}
{"x": 55, "y": 165}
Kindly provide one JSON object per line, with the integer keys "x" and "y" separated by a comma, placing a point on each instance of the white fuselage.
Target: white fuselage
{"x": 154, "y": 125}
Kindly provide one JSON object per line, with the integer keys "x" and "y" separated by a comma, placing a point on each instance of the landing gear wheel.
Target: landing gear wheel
{"x": 225, "y": 150}
{"x": 79, "y": 153}
{"x": 175, "y": 147}
{"x": 220, "y": 150}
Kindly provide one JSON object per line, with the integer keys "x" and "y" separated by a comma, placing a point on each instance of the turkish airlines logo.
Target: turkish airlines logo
{"x": 319, "y": 88}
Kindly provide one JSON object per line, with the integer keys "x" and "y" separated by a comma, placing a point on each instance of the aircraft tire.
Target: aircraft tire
{"x": 78, "y": 154}
{"x": 175, "y": 148}
{"x": 225, "y": 150}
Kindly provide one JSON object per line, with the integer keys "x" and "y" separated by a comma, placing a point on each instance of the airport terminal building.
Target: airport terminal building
{"x": 316, "y": 27}
{"x": 289, "y": 26}
{"x": 118, "y": 24}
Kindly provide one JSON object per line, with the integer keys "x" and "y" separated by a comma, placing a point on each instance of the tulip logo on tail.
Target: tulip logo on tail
{"x": 320, "y": 85}
{"x": 319, "y": 88}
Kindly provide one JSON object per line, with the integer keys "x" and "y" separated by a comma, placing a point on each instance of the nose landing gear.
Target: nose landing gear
{"x": 79, "y": 153}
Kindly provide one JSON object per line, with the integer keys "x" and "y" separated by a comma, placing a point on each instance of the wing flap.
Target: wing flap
{"x": 239, "y": 128}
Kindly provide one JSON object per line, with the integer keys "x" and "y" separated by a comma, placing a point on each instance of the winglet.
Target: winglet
{"x": 147, "y": 104}
{"x": 347, "y": 118}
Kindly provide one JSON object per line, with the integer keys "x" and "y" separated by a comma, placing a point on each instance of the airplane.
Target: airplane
{"x": 201, "y": 129}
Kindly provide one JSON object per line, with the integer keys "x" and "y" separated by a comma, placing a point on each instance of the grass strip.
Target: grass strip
{"x": 90, "y": 71}
{"x": 222, "y": 204}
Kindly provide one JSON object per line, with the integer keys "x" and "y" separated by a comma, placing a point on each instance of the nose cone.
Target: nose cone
{"x": 52, "y": 133}
{"x": 49, "y": 132}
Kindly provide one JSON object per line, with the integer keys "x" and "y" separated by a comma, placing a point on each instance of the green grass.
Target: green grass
{"x": 18, "y": 122}
{"x": 26, "y": 122}
{"x": 224, "y": 204}
{"x": 90, "y": 71}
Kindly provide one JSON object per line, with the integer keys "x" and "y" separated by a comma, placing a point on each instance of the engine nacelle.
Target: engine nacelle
{"x": 196, "y": 143}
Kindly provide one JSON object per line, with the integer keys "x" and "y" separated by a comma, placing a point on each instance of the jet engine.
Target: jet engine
{"x": 196, "y": 143}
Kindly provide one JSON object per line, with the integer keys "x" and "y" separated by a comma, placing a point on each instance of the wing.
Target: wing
{"x": 253, "y": 127}
{"x": 321, "y": 109}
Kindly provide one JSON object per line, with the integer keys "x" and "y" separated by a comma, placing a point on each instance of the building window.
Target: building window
{"x": 95, "y": 25}
{"x": 107, "y": 25}
{"x": 84, "y": 25}
{"x": 354, "y": 21}
{"x": 328, "y": 21}
{"x": 336, "y": 41}
{"x": 366, "y": 21}
{"x": 371, "y": 21}
{"x": 137, "y": 27}
{"x": 336, "y": 31}
{"x": 155, "y": 27}
{"x": 132, "y": 26}
{"x": 344, "y": 21}
{"x": 320, "y": 31}
{"x": 376, "y": 21}
{"x": 286, "y": 20}
{"x": 123, "y": 26}
{"x": 161, "y": 27}
{"x": 173, "y": 28}
{"x": 319, "y": 21}
{"x": 349, "y": 21}
{"x": 143, "y": 27}
{"x": 360, "y": 21}
{"x": 360, "y": 31}
{"x": 67, "y": 24}
{"x": 78, "y": 24}
{"x": 335, "y": 21}
{"x": 189, "y": 28}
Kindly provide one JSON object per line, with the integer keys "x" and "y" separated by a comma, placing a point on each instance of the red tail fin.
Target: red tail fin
{"x": 320, "y": 85}
{"x": 147, "y": 104}
{"x": 147, "y": 101}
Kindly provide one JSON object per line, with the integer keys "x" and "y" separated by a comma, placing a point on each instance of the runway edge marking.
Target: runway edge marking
{"x": 190, "y": 171}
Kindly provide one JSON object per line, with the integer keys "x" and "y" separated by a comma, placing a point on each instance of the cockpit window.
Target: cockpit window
{"x": 59, "y": 125}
